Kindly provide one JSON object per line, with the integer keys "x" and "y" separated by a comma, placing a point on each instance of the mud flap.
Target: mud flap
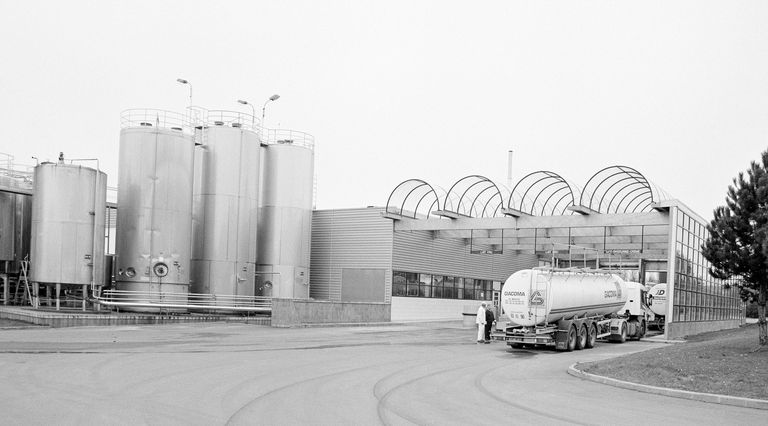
{"x": 561, "y": 340}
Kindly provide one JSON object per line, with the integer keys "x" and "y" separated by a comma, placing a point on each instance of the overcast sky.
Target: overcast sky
{"x": 393, "y": 90}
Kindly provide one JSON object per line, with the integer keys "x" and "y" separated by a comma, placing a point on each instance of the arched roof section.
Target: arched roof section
{"x": 542, "y": 193}
{"x": 413, "y": 198}
{"x": 474, "y": 196}
{"x": 620, "y": 189}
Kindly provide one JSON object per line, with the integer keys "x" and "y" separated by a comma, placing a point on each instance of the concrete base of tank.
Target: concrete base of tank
{"x": 77, "y": 318}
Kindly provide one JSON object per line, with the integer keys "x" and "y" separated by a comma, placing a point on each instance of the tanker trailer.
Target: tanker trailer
{"x": 565, "y": 308}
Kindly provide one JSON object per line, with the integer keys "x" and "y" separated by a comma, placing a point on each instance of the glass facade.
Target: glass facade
{"x": 697, "y": 295}
{"x": 412, "y": 284}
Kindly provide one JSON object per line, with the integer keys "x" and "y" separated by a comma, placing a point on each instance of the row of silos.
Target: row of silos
{"x": 189, "y": 215}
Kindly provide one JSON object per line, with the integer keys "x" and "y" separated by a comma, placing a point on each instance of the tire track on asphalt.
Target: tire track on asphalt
{"x": 243, "y": 409}
{"x": 384, "y": 407}
{"x": 478, "y": 382}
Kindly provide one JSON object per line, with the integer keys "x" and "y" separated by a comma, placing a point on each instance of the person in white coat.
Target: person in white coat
{"x": 480, "y": 321}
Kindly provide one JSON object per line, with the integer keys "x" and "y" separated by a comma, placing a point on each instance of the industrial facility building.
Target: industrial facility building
{"x": 434, "y": 254}
{"x": 213, "y": 213}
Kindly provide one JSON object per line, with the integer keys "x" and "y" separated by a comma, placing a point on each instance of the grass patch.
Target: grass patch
{"x": 726, "y": 362}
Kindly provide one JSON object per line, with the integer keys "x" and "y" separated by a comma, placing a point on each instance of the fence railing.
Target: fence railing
{"x": 189, "y": 301}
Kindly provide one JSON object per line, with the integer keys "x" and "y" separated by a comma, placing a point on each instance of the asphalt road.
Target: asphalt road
{"x": 216, "y": 373}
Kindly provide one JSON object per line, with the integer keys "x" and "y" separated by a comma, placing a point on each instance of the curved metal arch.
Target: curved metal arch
{"x": 619, "y": 172}
{"x": 647, "y": 200}
{"x": 411, "y": 187}
{"x": 620, "y": 183}
{"x": 488, "y": 201}
{"x": 627, "y": 195}
{"x": 531, "y": 183}
{"x": 624, "y": 188}
{"x": 457, "y": 198}
{"x": 554, "y": 207}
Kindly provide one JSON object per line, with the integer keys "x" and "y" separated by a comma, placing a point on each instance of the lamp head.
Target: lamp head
{"x": 182, "y": 81}
{"x": 242, "y": 102}
{"x": 274, "y": 97}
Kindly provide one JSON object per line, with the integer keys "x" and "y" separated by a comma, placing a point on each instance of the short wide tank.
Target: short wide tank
{"x": 67, "y": 245}
{"x": 541, "y": 296}
{"x": 154, "y": 201}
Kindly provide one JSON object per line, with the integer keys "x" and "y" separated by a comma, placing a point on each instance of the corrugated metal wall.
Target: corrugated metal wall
{"x": 418, "y": 251}
{"x": 348, "y": 238}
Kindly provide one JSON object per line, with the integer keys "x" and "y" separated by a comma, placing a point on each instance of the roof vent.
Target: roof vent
{"x": 145, "y": 124}
{"x": 218, "y": 123}
{"x": 236, "y": 125}
{"x": 178, "y": 129}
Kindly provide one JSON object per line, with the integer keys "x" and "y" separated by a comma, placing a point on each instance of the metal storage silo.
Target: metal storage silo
{"x": 225, "y": 208}
{"x": 15, "y": 230}
{"x": 68, "y": 207}
{"x": 285, "y": 216}
{"x": 154, "y": 201}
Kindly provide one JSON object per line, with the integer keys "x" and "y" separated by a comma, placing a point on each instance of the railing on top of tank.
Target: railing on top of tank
{"x": 190, "y": 301}
{"x": 232, "y": 119}
{"x": 21, "y": 173}
{"x": 156, "y": 118}
{"x": 295, "y": 137}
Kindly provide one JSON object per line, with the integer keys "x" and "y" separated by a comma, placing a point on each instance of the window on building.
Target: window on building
{"x": 398, "y": 284}
{"x": 440, "y": 286}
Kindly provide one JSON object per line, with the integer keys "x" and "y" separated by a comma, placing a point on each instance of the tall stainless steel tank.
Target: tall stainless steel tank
{"x": 285, "y": 216}
{"x": 15, "y": 229}
{"x": 225, "y": 209}
{"x": 154, "y": 201}
{"x": 68, "y": 224}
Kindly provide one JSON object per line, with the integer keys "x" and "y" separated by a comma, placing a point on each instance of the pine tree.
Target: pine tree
{"x": 737, "y": 246}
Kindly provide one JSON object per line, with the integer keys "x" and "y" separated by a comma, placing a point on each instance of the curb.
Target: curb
{"x": 759, "y": 404}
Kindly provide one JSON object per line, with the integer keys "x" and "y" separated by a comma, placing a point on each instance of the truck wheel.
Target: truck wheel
{"x": 643, "y": 328}
{"x": 623, "y": 335}
{"x": 634, "y": 326}
{"x": 581, "y": 338}
{"x": 571, "y": 338}
{"x": 591, "y": 336}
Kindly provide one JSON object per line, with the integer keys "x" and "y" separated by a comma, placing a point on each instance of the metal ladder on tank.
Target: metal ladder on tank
{"x": 543, "y": 278}
{"x": 26, "y": 294}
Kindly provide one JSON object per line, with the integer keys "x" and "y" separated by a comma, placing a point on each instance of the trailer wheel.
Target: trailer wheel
{"x": 572, "y": 334}
{"x": 581, "y": 338}
{"x": 591, "y": 336}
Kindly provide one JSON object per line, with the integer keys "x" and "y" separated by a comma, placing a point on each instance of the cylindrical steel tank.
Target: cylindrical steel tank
{"x": 15, "y": 229}
{"x": 285, "y": 218}
{"x": 539, "y": 296}
{"x": 657, "y": 299}
{"x": 225, "y": 211}
{"x": 154, "y": 223}
{"x": 68, "y": 224}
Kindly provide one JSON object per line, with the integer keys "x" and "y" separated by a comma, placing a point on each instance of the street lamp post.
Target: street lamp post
{"x": 182, "y": 81}
{"x": 253, "y": 110}
{"x": 264, "y": 109}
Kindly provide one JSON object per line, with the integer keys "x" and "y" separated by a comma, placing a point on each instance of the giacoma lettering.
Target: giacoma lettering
{"x": 610, "y": 294}
{"x": 514, "y": 293}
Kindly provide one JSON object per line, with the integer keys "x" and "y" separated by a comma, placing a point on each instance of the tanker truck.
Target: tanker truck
{"x": 571, "y": 308}
{"x": 657, "y": 301}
